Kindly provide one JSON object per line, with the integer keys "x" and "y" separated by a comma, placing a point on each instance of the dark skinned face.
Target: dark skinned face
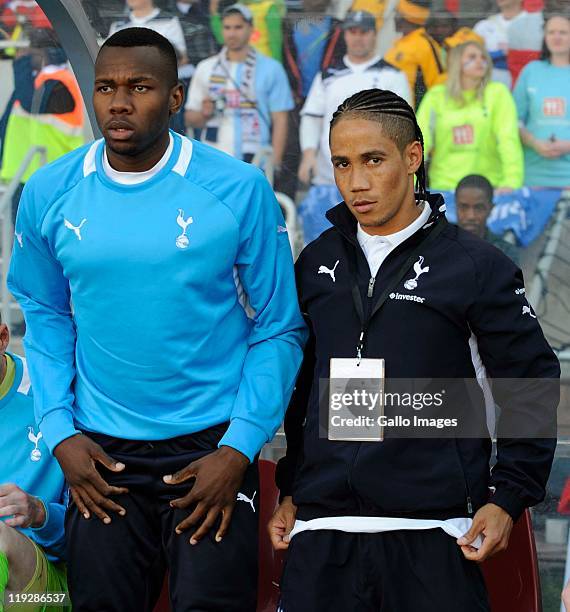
{"x": 441, "y": 29}
{"x": 473, "y": 209}
{"x": 133, "y": 100}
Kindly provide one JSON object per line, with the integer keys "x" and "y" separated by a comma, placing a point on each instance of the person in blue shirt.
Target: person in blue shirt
{"x": 542, "y": 96}
{"x": 312, "y": 41}
{"x": 240, "y": 97}
{"x": 163, "y": 337}
{"x": 32, "y": 494}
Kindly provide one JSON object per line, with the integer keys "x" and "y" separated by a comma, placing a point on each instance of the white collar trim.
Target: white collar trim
{"x": 398, "y": 237}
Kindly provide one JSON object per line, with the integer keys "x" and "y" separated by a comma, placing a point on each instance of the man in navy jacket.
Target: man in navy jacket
{"x": 369, "y": 522}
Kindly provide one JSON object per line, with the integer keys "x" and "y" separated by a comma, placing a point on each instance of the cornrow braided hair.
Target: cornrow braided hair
{"x": 377, "y": 104}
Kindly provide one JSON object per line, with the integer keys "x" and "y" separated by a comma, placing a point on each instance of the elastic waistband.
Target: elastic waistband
{"x": 204, "y": 440}
{"x": 454, "y": 527}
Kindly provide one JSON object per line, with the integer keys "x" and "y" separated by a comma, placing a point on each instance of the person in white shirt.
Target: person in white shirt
{"x": 507, "y": 30}
{"x": 385, "y": 12}
{"x": 144, "y": 14}
{"x": 240, "y": 97}
{"x": 361, "y": 68}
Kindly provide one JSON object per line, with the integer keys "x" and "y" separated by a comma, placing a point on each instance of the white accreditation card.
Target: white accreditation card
{"x": 356, "y": 400}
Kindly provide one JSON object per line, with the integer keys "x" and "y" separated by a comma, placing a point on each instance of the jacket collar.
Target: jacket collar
{"x": 346, "y": 224}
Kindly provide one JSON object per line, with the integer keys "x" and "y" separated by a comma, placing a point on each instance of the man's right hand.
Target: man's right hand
{"x": 282, "y": 523}
{"x": 208, "y": 108}
{"x": 77, "y": 456}
{"x": 308, "y": 166}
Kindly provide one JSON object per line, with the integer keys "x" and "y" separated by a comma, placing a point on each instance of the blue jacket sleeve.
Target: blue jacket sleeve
{"x": 51, "y": 535}
{"x": 37, "y": 281}
{"x": 278, "y": 333}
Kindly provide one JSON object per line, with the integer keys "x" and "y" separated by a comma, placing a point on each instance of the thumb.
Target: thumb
{"x": 101, "y": 456}
{"x": 470, "y": 535}
{"x": 289, "y": 522}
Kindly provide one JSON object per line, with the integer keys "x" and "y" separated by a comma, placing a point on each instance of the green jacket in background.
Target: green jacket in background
{"x": 57, "y": 129}
{"x": 480, "y": 136}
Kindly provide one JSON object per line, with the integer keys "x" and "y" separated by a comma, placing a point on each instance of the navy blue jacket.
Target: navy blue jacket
{"x": 471, "y": 287}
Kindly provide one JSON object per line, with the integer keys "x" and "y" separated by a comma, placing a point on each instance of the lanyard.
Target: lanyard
{"x": 251, "y": 62}
{"x": 396, "y": 279}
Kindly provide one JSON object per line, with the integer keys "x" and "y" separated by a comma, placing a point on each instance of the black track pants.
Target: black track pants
{"x": 120, "y": 567}
{"x": 398, "y": 571}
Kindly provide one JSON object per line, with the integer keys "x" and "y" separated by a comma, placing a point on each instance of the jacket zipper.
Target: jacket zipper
{"x": 369, "y": 293}
{"x": 467, "y": 492}
{"x": 371, "y": 286}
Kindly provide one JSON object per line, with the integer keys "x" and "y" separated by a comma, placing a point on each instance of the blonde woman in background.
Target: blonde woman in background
{"x": 470, "y": 124}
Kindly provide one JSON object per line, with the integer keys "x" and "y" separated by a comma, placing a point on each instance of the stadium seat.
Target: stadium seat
{"x": 564, "y": 503}
{"x": 270, "y": 562}
{"x": 512, "y": 576}
{"x": 163, "y": 603}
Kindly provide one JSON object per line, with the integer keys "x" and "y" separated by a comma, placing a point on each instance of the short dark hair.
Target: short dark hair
{"x": 396, "y": 116}
{"x": 476, "y": 181}
{"x": 145, "y": 37}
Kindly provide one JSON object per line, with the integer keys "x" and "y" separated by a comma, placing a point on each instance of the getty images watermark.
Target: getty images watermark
{"x": 374, "y": 409}
{"x": 374, "y": 403}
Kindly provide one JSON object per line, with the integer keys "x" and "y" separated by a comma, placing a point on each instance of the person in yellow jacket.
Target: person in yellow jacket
{"x": 48, "y": 112}
{"x": 470, "y": 124}
{"x": 416, "y": 53}
{"x": 421, "y": 51}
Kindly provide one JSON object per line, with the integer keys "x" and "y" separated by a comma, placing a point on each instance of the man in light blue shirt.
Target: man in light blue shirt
{"x": 179, "y": 356}
{"x": 32, "y": 496}
{"x": 240, "y": 97}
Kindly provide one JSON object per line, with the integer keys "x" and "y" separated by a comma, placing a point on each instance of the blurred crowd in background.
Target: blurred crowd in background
{"x": 490, "y": 82}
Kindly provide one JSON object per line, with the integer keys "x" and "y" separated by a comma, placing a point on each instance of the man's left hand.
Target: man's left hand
{"x": 495, "y": 525}
{"x": 25, "y": 510}
{"x": 218, "y": 476}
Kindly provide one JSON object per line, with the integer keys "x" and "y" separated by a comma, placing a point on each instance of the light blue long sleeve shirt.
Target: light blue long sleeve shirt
{"x": 158, "y": 343}
{"x": 26, "y": 462}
